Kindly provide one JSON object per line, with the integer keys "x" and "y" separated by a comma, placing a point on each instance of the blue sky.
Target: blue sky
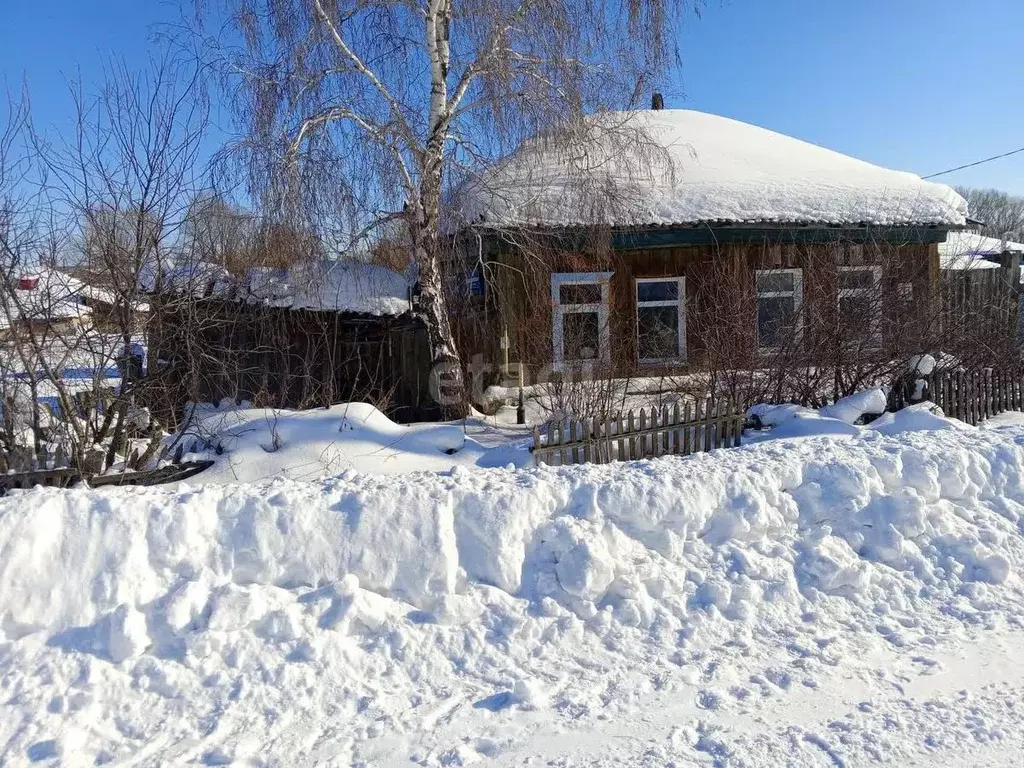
{"x": 922, "y": 85}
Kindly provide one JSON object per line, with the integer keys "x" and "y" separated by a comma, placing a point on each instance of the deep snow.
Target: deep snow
{"x": 679, "y": 166}
{"x": 788, "y": 601}
{"x": 253, "y": 444}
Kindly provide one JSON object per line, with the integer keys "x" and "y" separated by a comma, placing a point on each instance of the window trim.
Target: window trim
{"x": 559, "y": 311}
{"x": 679, "y": 304}
{"x": 797, "y": 294}
{"x": 875, "y": 340}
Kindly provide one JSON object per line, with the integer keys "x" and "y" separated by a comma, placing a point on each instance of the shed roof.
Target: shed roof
{"x": 330, "y": 285}
{"x": 970, "y": 251}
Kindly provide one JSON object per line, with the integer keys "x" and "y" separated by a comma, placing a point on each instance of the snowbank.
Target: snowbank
{"x": 840, "y": 419}
{"x": 870, "y": 402}
{"x": 347, "y": 620}
{"x": 253, "y": 444}
{"x": 678, "y": 166}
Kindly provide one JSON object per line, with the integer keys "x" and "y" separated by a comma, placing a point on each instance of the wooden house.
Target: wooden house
{"x": 47, "y": 301}
{"x": 674, "y": 237}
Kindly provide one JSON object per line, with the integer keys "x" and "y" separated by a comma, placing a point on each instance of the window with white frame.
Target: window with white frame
{"x": 661, "y": 319}
{"x": 580, "y": 317}
{"x": 860, "y": 318}
{"x": 780, "y": 295}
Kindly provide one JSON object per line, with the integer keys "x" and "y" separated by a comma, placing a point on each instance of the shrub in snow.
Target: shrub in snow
{"x": 921, "y": 365}
{"x": 924, "y": 416}
{"x": 253, "y": 444}
{"x": 768, "y": 415}
{"x": 852, "y": 409}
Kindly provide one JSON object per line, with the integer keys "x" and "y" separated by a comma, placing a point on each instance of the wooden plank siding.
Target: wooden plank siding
{"x": 287, "y": 358}
{"x": 718, "y": 279}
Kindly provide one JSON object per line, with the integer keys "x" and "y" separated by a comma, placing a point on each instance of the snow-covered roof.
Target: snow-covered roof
{"x": 680, "y": 167}
{"x": 971, "y": 243}
{"x": 340, "y": 286}
{"x": 55, "y": 295}
{"x": 970, "y": 251}
{"x": 197, "y": 277}
{"x": 326, "y": 284}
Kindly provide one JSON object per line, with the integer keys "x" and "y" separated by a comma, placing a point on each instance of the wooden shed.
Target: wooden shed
{"x": 301, "y": 338}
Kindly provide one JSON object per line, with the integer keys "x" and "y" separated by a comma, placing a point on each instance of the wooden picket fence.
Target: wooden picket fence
{"x": 23, "y": 469}
{"x": 679, "y": 430}
{"x": 976, "y": 395}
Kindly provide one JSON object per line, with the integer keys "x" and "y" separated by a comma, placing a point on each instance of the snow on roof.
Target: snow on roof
{"x": 55, "y": 296}
{"x": 690, "y": 168}
{"x": 969, "y": 251}
{"x": 340, "y": 286}
{"x": 197, "y": 278}
{"x": 102, "y": 295}
{"x": 971, "y": 243}
{"x": 327, "y": 284}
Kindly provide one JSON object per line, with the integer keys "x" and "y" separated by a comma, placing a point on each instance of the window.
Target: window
{"x": 780, "y": 294}
{"x": 661, "y": 319}
{"x": 580, "y": 322}
{"x": 475, "y": 281}
{"x": 859, "y": 311}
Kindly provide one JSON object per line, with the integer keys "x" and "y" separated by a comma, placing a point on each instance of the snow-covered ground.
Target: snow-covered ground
{"x": 253, "y": 444}
{"x": 818, "y": 601}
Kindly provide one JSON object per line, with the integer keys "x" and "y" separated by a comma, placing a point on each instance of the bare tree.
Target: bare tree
{"x": 360, "y": 112}
{"x": 216, "y": 232}
{"x": 1001, "y": 215}
{"x": 105, "y": 201}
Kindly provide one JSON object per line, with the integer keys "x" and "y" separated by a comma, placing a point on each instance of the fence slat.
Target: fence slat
{"x": 706, "y": 436}
{"x": 642, "y": 446}
{"x": 725, "y": 436}
{"x": 703, "y": 425}
{"x": 565, "y": 440}
{"x": 676, "y": 433}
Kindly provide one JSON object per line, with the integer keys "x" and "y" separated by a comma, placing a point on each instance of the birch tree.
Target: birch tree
{"x": 358, "y": 113}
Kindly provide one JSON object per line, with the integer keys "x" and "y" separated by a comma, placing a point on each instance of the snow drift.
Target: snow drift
{"x": 293, "y": 621}
{"x": 253, "y": 444}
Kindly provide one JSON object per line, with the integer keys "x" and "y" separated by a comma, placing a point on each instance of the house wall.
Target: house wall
{"x": 720, "y": 294}
{"x": 276, "y": 357}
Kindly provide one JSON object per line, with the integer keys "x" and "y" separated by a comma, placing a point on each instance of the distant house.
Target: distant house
{"x": 42, "y": 300}
{"x": 981, "y": 278}
{"x": 703, "y": 238}
{"x": 53, "y": 339}
{"x": 973, "y": 251}
{"x": 308, "y": 336}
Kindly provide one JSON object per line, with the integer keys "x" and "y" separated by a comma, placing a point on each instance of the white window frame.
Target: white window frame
{"x": 875, "y": 290}
{"x": 679, "y": 304}
{"x": 797, "y": 294}
{"x": 559, "y": 311}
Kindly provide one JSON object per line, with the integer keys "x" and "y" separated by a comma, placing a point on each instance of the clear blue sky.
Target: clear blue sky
{"x": 921, "y": 85}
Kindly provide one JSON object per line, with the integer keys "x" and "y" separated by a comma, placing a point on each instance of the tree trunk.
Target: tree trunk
{"x": 447, "y": 381}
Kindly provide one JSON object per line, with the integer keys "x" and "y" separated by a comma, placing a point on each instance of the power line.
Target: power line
{"x": 980, "y": 162}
